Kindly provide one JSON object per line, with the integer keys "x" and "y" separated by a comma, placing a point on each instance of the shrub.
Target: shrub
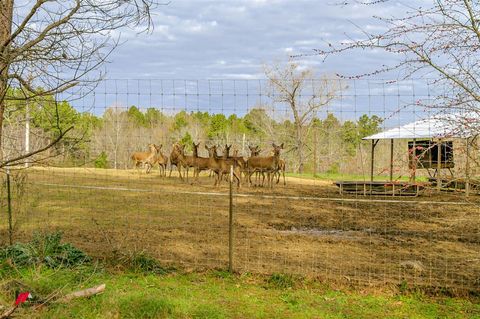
{"x": 281, "y": 281}
{"x": 334, "y": 169}
{"x": 141, "y": 262}
{"x": 101, "y": 161}
{"x": 44, "y": 249}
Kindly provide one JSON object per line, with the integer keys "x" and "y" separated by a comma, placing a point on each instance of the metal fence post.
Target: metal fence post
{"x": 230, "y": 224}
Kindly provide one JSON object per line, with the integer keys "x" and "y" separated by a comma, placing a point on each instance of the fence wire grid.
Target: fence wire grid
{"x": 88, "y": 188}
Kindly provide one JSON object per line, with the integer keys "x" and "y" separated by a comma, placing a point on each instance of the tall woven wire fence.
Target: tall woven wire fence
{"x": 88, "y": 188}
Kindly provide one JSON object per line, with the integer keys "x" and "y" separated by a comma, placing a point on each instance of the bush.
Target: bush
{"x": 334, "y": 169}
{"x": 101, "y": 161}
{"x": 45, "y": 249}
{"x": 141, "y": 262}
{"x": 281, "y": 281}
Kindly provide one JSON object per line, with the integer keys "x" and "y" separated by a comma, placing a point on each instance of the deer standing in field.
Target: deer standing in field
{"x": 221, "y": 166}
{"x": 281, "y": 171}
{"x": 177, "y": 158}
{"x": 199, "y": 163}
{"x": 182, "y": 160}
{"x": 145, "y": 158}
{"x": 254, "y": 152}
{"x": 161, "y": 160}
{"x": 237, "y": 160}
{"x": 269, "y": 164}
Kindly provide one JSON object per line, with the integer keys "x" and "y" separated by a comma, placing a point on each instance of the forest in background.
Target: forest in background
{"x": 107, "y": 140}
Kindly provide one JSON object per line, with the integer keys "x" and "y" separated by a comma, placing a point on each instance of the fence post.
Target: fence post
{"x": 9, "y": 208}
{"x": 230, "y": 224}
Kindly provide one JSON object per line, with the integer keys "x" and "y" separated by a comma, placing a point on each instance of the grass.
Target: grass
{"x": 216, "y": 294}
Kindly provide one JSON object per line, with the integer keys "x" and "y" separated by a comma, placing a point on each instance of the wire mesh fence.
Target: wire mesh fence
{"x": 87, "y": 185}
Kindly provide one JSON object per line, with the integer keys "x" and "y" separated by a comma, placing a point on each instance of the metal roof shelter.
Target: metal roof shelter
{"x": 439, "y": 127}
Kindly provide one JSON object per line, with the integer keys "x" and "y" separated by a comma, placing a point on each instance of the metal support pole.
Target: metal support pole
{"x": 439, "y": 164}
{"x": 391, "y": 160}
{"x": 372, "y": 161}
{"x": 414, "y": 161}
{"x": 9, "y": 209}
{"x": 230, "y": 224}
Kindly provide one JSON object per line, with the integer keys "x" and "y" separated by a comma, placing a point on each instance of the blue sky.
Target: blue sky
{"x": 232, "y": 39}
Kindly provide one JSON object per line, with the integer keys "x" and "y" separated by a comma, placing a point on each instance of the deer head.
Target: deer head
{"x": 277, "y": 149}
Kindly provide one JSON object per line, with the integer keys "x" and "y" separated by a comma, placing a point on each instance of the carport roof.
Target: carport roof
{"x": 440, "y": 126}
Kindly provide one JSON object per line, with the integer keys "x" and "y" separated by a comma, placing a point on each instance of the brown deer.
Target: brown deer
{"x": 145, "y": 158}
{"x": 182, "y": 160}
{"x": 255, "y": 151}
{"x": 269, "y": 164}
{"x": 281, "y": 171}
{"x": 221, "y": 166}
{"x": 177, "y": 149}
{"x": 199, "y": 163}
{"x": 236, "y": 160}
{"x": 161, "y": 160}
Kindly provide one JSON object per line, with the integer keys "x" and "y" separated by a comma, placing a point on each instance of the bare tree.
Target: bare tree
{"x": 49, "y": 46}
{"x": 304, "y": 95}
{"x": 440, "y": 42}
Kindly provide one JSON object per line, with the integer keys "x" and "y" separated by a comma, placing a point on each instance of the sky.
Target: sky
{"x": 233, "y": 39}
{"x": 207, "y": 55}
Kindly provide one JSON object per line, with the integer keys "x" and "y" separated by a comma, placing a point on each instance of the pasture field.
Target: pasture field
{"x": 305, "y": 228}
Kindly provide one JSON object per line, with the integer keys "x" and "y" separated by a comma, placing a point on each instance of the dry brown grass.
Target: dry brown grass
{"x": 372, "y": 243}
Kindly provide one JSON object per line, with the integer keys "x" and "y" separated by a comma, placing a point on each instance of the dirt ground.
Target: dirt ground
{"x": 305, "y": 228}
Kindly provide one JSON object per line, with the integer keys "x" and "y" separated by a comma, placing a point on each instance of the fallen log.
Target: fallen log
{"x": 83, "y": 293}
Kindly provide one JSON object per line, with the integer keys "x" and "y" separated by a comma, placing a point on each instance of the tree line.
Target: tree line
{"x": 107, "y": 140}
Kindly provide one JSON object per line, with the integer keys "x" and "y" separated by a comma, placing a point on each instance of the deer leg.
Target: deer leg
{"x": 237, "y": 176}
{"x": 249, "y": 178}
{"x": 179, "y": 167}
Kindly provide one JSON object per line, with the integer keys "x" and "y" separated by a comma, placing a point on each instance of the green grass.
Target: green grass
{"x": 350, "y": 177}
{"x": 217, "y": 294}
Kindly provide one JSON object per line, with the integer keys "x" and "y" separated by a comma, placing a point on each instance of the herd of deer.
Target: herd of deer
{"x": 243, "y": 168}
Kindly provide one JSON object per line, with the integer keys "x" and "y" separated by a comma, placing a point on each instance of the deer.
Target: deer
{"x": 199, "y": 163}
{"x": 235, "y": 159}
{"x": 145, "y": 158}
{"x": 182, "y": 161}
{"x": 221, "y": 166}
{"x": 255, "y": 151}
{"x": 281, "y": 171}
{"x": 177, "y": 149}
{"x": 161, "y": 160}
{"x": 269, "y": 164}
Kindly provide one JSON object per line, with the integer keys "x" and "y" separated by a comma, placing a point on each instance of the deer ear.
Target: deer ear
{"x": 281, "y": 146}
{"x": 273, "y": 144}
